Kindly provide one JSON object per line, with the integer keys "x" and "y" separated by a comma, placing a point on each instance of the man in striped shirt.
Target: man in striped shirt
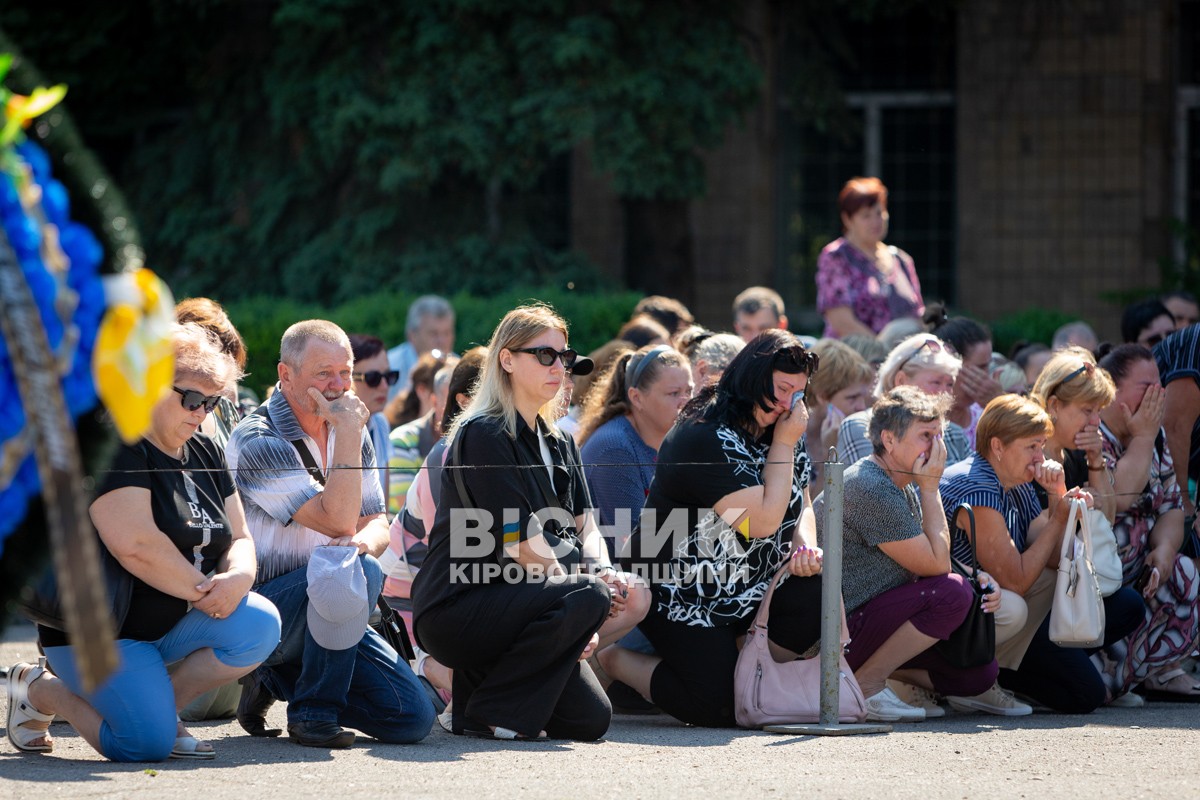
{"x": 299, "y": 464}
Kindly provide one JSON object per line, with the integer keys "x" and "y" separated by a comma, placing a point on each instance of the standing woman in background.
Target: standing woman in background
{"x": 863, "y": 284}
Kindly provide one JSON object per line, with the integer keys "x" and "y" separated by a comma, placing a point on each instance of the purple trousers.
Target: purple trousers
{"x": 936, "y": 607}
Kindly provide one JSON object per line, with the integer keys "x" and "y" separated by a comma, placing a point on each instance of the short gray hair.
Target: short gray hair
{"x": 1071, "y": 332}
{"x": 718, "y": 350}
{"x": 430, "y": 305}
{"x": 295, "y": 339}
{"x": 897, "y": 410}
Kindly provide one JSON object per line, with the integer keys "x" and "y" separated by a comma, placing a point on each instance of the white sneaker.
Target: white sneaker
{"x": 1127, "y": 700}
{"x": 886, "y": 707}
{"x": 446, "y": 719}
{"x": 994, "y": 701}
{"x": 918, "y": 698}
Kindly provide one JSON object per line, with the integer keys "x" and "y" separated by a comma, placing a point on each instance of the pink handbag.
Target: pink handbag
{"x": 767, "y": 692}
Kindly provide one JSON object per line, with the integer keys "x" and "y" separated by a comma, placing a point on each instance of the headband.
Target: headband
{"x": 633, "y": 373}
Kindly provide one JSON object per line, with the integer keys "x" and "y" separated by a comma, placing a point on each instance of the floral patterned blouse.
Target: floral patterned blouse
{"x": 1160, "y": 495}
{"x": 847, "y": 277}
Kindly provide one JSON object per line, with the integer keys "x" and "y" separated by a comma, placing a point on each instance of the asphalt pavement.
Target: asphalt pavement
{"x": 1130, "y": 753}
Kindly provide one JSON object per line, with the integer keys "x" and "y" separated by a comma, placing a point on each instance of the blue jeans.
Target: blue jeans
{"x": 367, "y": 687}
{"x": 137, "y": 702}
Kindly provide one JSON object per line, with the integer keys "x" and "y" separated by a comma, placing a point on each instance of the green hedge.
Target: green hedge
{"x": 593, "y": 317}
{"x": 1031, "y": 324}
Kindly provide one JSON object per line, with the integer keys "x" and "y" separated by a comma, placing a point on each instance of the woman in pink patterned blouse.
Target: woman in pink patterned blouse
{"x": 863, "y": 284}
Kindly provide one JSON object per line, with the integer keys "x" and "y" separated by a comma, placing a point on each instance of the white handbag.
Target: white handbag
{"x": 1077, "y": 616}
{"x": 1105, "y": 558}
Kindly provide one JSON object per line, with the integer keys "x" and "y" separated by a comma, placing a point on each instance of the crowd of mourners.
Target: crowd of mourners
{"x": 561, "y": 535}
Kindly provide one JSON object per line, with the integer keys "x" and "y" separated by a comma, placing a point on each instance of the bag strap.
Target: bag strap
{"x": 974, "y": 565}
{"x": 464, "y": 498}
{"x": 1085, "y": 527}
{"x": 306, "y": 457}
{"x": 1068, "y": 540}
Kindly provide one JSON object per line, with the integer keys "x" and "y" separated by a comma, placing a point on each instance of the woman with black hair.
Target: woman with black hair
{"x": 728, "y": 507}
{"x": 975, "y": 387}
{"x": 1146, "y": 322}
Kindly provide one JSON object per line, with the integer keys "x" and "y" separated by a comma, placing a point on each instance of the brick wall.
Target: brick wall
{"x": 1064, "y": 115}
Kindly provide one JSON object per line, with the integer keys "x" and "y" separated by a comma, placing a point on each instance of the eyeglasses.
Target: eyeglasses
{"x": 192, "y": 400}
{"x": 1090, "y": 369}
{"x": 546, "y": 355}
{"x": 373, "y": 377}
{"x": 934, "y": 347}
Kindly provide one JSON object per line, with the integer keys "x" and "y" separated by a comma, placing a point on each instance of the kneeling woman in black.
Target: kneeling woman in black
{"x": 501, "y": 598}
{"x": 727, "y": 508}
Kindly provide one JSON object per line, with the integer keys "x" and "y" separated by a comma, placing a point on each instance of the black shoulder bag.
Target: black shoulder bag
{"x": 385, "y": 621}
{"x": 973, "y": 643}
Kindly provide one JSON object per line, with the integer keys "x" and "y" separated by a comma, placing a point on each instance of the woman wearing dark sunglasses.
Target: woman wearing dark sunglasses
{"x": 502, "y": 598}
{"x": 169, "y": 514}
{"x": 372, "y": 379}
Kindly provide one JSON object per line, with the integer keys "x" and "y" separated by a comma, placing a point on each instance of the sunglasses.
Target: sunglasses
{"x": 191, "y": 399}
{"x": 1090, "y": 369}
{"x": 934, "y": 347}
{"x": 546, "y": 355}
{"x": 373, "y": 377}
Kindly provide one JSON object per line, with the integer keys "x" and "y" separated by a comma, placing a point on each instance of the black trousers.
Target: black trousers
{"x": 515, "y": 649}
{"x": 694, "y": 682}
{"x": 1064, "y": 678}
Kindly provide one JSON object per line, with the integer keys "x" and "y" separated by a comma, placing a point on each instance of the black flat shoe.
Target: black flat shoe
{"x": 317, "y": 733}
{"x": 253, "y": 705}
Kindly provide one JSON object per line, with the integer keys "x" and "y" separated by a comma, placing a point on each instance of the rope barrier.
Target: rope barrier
{"x": 473, "y": 467}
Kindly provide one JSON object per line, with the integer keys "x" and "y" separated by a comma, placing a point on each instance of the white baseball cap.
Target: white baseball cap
{"x": 337, "y": 597}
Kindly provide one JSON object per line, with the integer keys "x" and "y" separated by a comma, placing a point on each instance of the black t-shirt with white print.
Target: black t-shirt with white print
{"x": 702, "y": 572}
{"x": 187, "y": 499}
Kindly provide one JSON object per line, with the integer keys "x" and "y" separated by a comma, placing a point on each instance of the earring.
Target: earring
{"x": 1054, "y": 418}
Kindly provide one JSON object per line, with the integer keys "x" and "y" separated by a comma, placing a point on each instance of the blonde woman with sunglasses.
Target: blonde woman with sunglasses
{"x": 517, "y": 589}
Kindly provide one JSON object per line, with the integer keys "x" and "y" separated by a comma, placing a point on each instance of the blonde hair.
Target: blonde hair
{"x": 493, "y": 395}
{"x": 915, "y": 354}
{"x": 1010, "y": 417}
{"x": 841, "y": 366}
{"x": 199, "y": 354}
{"x": 1058, "y": 379}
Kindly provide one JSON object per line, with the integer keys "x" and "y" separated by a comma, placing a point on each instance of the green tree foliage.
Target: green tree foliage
{"x": 325, "y": 149}
{"x": 592, "y": 318}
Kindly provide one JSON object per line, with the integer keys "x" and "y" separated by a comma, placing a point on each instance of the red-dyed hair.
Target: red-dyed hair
{"x": 861, "y": 193}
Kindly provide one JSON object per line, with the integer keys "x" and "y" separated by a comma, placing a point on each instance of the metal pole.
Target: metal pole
{"x": 831, "y": 594}
{"x": 831, "y": 618}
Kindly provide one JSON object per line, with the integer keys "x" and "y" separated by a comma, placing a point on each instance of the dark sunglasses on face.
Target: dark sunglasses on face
{"x": 191, "y": 399}
{"x": 546, "y": 355}
{"x": 373, "y": 377}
